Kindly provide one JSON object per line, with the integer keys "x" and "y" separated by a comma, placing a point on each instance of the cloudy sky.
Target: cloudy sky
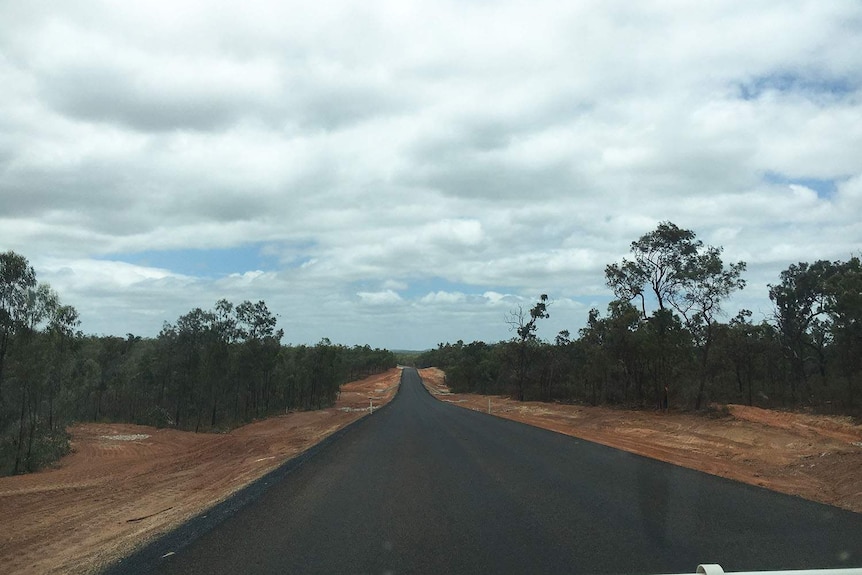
{"x": 403, "y": 173}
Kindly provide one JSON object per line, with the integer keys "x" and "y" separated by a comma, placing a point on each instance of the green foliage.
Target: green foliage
{"x": 214, "y": 369}
{"x": 662, "y": 260}
{"x": 684, "y": 276}
{"x": 525, "y": 344}
{"x": 818, "y": 319}
{"x": 210, "y": 370}
{"x": 681, "y": 355}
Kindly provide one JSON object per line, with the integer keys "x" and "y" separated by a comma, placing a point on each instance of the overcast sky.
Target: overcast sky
{"x": 403, "y": 173}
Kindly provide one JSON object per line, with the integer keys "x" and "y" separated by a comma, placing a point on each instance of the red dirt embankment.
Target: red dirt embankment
{"x": 814, "y": 457}
{"x": 124, "y": 485}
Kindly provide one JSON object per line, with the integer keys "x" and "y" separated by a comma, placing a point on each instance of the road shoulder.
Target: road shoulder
{"x": 124, "y": 485}
{"x": 818, "y": 458}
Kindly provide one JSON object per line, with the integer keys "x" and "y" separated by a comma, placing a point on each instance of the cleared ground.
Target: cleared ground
{"x": 815, "y": 457}
{"x": 427, "y": 487}
{"x": 123, "y": 485}
{"x": 126, "y": 484}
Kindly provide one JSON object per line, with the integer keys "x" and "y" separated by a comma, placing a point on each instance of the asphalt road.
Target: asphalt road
{"x": 426, "y": 487}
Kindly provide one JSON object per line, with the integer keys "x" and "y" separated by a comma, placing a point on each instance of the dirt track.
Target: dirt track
{"x": 815, "y": 457}
{"x": 125, "y": 484}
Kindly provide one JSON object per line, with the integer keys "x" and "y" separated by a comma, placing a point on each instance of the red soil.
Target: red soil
{"x": 124, "y": 485}
{"x": 811, "y": 456}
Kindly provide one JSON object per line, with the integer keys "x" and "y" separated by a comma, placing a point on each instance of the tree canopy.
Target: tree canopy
{"x": 665, "y": 340}
{"x": 210, "y": 370}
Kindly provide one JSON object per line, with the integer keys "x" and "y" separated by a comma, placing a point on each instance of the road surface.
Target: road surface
{"x": 426, "y": 487}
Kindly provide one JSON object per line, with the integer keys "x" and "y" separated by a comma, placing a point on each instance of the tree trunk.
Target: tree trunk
{"x": 700, "y": 388}
{"x": 704, "y": 366}
{"x": 749, "y": 378}
{"x": 4, "y": 345}
{"x": 522, "y": 367}
{"x": 20, "y": 431}
{"x": 51, "y": 406}
{"x": 31, "y": 433}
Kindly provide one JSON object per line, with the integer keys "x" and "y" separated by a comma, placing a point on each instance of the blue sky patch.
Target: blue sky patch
{"x": 825, "y": 188}
{"x": 792, "y": 82}
{"x": 210, "y": 263}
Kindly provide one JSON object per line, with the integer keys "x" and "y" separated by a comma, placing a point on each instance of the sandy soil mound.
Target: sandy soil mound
{"x": 815, "y": 457}
{"x": 125, "y": 484}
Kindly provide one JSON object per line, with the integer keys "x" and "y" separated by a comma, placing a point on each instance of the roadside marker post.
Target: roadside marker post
{"x": 489, "y": 405}
{"x": 370, "y": 406}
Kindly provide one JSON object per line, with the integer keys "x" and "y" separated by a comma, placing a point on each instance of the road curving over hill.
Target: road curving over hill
{"x": 427, "y": 487}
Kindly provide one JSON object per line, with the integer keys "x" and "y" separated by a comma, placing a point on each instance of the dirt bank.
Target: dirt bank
{"x": 124, "y": 484}
{"x": 815, "y": 457}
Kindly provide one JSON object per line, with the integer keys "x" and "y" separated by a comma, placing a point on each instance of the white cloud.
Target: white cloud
{"x": 495, "y": 298}
{"x": 385, "y": 297}
{"x": 514, "y": 148}
{"x": 395, "y": 285}
{"x": 443, "y": 297}
{"x": 103, "y": 274}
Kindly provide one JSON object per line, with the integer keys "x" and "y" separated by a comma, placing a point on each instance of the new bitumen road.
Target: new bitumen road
{"x": 423, "y": 486}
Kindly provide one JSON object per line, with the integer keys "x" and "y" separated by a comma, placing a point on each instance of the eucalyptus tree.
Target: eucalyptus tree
{"x": 62, "y": 330}
{"x": 706, "y": 283}
{"x": 224, "y": 333}
{"x": 261, "y": 344}
{"x": 524, "y": 324}
{"x": 818, "y": 313}
{"x": 844, "y": 292}
{"x": 30, "y": 313}
{"x": 17, "y": 280}
{"x": 33, "y": 381}
{"x": 801, "y": 303}
{"x": 657, "y": 269}
{"x": 685, "y": 277}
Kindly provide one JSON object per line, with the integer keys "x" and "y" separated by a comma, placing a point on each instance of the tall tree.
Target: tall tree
{"x": 658, "y": 268}
{"x": 800, "y": 302}
{"x": 17, "y": 280}
{"x": 843, "y": 290}
{"x": 683, "y": 275}
{"x": 194, "y": 332}
{"x": 261, "y": 346}
{"x": 705, "y": 283}
{"x": 61, "y": 328}
{"x": 526, "y": 329}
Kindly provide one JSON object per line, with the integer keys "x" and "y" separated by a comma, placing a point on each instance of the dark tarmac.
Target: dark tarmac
{"x": 426, "y": 487}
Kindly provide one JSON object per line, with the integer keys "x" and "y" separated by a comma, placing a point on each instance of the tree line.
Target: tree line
{"x": 662, "y": 340}
{"x": 210, "y": 370}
